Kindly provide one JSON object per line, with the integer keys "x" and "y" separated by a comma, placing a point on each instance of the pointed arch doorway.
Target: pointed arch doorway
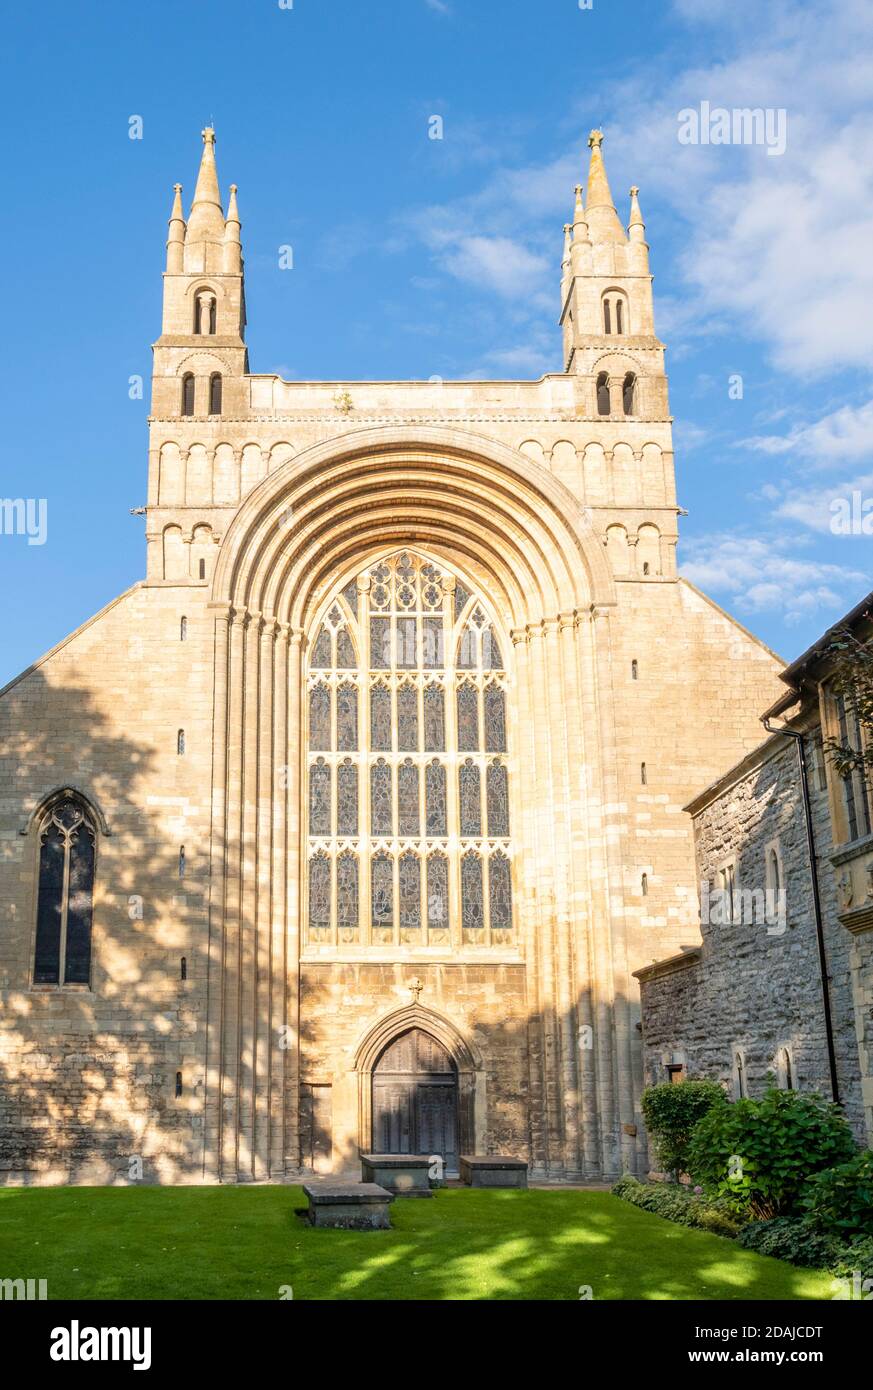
{"x": 415, "y": 1099}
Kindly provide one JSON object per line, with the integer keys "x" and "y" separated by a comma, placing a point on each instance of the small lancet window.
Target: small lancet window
{"x": 629, "y": 394}
{"x": 180, "y": 742}
{"x": 183, "y": 968}
{"x": 178, "y": 1083}
{"x": 635, "y": 670}
{"x": 181, "y": 861}
{"x": 183, "y": 630}
{"x": 644, "y": 776}
{"x": 644, "y": 885}
{"x": 619, "y": 327}
{"x": 603, "y": 394}
{"x": 188, "y": 394}
{"x": 215, "y": 394}
{"x": 607, "y": 320}
{"x": 201, "y": 569}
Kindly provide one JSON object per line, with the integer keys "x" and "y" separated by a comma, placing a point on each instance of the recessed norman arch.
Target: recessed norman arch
{"x": 481, "y": 504}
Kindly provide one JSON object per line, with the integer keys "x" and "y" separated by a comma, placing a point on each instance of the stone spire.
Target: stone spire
{"x": 206, "y": 220}
{"x": 581, "y": 239}
{"x": 232, "y": 244}
{"x": 176, "y": 238}
{"x": 603, "y": 223}
{"x": 636, "y": 229}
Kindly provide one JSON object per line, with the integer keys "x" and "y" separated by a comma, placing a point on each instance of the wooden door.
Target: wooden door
{"x": 415, "y": 1099}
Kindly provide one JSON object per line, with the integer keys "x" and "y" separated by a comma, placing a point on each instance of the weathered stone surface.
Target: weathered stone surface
{"x": 406, "y": 1175}
{"x": 362, "y": 1206}
{"x": 493, "y": 1170}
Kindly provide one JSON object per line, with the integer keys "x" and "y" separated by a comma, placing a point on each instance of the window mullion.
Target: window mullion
{"x": 65, "y": 905}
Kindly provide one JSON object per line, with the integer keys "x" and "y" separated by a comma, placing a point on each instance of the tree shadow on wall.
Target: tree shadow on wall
{"x": 88, "y": 1078}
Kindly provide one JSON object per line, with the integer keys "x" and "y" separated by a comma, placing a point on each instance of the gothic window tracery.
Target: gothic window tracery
{"x": 407, "y": 785}
{"x": 67, "y": 846}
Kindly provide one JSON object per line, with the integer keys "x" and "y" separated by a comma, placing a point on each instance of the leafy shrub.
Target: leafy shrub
{"x": 856, "y": 1257}
{"x": 671, "y": 1112}
{"x": 790, "y": 1238}
{"x": 760, "y": 1154}
{"x": 676, "y": 1203}
{"x": 841, "y": 1199}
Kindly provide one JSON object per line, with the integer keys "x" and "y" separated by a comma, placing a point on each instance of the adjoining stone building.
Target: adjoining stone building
{"x": 350, "y": 823}
{"x": 782, "y": 982}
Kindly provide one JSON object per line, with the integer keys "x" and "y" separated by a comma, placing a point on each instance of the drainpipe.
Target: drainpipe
{"x": 816, "y": 899}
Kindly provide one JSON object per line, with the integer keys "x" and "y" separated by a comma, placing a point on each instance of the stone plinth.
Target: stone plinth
{"x": 493, "y": 1170}
{"x": 348, "y": 1206}
{"x": 406, "y": 1175}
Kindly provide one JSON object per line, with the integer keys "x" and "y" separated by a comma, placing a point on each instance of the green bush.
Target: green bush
{"x": 856, "y": 1257}
{"x": 671, "y": 1112}
{"x": 841, "y": 1199}
{"x": 760, "y": 1154}
{"x": 791, "y": 1238}
{"x": 679, "y": 1204}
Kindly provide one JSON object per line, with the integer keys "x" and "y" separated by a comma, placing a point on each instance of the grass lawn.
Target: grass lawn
{"x": 246, "y": 1242}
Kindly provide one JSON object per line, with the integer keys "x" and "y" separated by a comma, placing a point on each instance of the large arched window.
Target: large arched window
{"x": 67, "y": 844}
{"x": 603, "y": 402}
{"x": 215, "y": 394}
{"x": 188, "y": 394}
{"x": 407, "y": 786}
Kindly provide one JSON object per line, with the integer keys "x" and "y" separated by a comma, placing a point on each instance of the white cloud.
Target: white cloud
{"x": 843, "y": 435}
{"x": 767, "y": 575}
{"x": 439, "y": 6}
{"x": 495, "y": 262}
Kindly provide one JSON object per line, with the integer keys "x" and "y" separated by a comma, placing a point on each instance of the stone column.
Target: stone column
{"x": 215, "y": 941}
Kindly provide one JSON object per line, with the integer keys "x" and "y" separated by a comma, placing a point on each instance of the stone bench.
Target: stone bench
{"x": 493, "y": 1170}
{"x": 406, "y": 1175}
{"x": 348, "y": 1206}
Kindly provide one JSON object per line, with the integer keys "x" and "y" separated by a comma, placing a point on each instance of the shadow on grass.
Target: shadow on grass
{"x": 246, "y": 1243}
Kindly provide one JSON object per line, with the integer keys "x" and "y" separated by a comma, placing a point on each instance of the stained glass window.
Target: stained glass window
{"x": 410, "y": 892}
{"x": 319, "y": 718}
{"x": 407, "y": 658}
{"x": 319, "y": 893}
{"x": 437, "y": 894}
{"x": 347, "y": 798}
{"x": 347, "y": 893}
{"x": 468, "y": 718}
{"x": 470, "y": 799}
{"x": 319, "y": 798}
{"x": 498, "y": 799}
{"x": 407, "y": 799}
{"x": 346, "y": 717}
{"x": 380, "y": 799}
{"x": 380, "y": 718}
{"x": 345, "y": 651}
{"x": 382, "y": 890}
{"x": 435, "y": 799}
{"x": 321, "y": 658}
{"x": 472, "y": 906}
{"x": 407, "y": 719}
{"x": 495, "y": 719}
{"x": 434, "y": 719}
{"x": 500, "y": 892}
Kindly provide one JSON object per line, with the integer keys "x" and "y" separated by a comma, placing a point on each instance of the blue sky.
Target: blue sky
{"x": 415, "y": 257}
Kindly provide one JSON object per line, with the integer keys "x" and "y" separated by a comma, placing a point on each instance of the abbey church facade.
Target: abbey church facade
{"x": 349, "y": 825}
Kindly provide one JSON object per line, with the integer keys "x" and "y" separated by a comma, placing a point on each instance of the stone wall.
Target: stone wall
{"x": 755, "y": 985}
